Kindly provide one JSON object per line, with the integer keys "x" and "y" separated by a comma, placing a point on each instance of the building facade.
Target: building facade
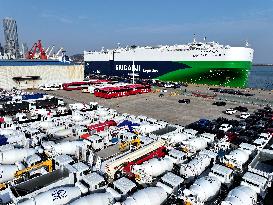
{"x": 11, "y": 37}
{"x": 30, "y": 77}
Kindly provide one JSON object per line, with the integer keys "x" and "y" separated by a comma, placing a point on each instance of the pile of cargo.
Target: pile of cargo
{"x": 88, "y": 154}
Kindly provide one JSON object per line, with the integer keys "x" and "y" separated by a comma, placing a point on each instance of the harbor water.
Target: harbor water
{"x": 261, "y": 77}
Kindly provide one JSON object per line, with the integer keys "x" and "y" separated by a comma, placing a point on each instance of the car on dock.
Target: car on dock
{"x": 244, "y": 115}
{"x": 241, "y": 109}
{"x": 230, "y": 111}
{"x": 219, "y": 103}
{"x": 185, "y": 101}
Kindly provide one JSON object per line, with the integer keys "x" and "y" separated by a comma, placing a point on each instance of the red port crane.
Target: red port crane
{"x": 31, "y": 53}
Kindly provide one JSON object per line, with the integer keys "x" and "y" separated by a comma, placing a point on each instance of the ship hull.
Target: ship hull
{"x": 222, "y": 73}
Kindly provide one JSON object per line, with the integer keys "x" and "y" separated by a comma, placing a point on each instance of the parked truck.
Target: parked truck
{"x": 113, "y": 165}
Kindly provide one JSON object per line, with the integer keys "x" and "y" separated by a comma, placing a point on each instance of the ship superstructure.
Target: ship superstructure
{"x": 195, "y": 62}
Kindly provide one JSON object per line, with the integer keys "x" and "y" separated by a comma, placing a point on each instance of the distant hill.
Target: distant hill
{"x": 77, "y": 58}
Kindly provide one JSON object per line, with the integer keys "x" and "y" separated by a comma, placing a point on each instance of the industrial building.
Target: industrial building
{"x": 36, "y": 67}
{"x": 30, "y": 77}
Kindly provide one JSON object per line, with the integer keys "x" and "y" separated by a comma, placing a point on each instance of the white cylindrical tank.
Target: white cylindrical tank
{"x": 7, "y": 172}
{"x": 202, "y": 190}
{"x": 237, "y": 157}
{"x": 54, "y": 129}
{"x": 155, "y": 167}
{"x": 63, "y": 133}
{"x": 16, "y": 137}
{"x": 147, "y": 196}
{"x": 68, "y": 147}
{"x": 7, "y": 131}
{"x": 96, "y": 199}
{"x": 77, "y": 117}
{"x": 196, "y": 144}
{"x": 56, "y": 196}
{"x": 195, "y": 167}
{"x": 45, "y": 125}
{"x": 178, "y": 137}
{"x": 84, "y": 122}
{"x": 241, "y": 195}
{"x": 15, "y": 155}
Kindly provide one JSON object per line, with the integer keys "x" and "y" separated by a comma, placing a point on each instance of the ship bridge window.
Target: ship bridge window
{"x": 219, "y": 54}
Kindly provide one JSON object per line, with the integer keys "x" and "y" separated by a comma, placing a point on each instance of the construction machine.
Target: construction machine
{"x": 134, "y": 142}
{"x": 47, "y": 163}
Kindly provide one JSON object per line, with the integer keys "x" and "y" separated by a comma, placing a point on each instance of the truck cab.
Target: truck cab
{"x": 79, "y": 130}
{"x": 236, "y": 159}
{"x": 6, "y": 123}
{"x": 256, "y": 182}
{"x": 170, "y": 183}
{"x": 121, "y": 188}
{"x": 97, "y": 142}
{"x": 224, "y": 174}
{"x": 177, "y": 157}
{"x": 94, "y": 182}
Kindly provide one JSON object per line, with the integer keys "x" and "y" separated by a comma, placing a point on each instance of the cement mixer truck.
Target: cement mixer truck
{"x": 55, "y": 196}
{"x": 148, "y": 170}
{"x": 202, "y": 191}
{"x": 241, "y": 195}
{"x": 195, "y": 167}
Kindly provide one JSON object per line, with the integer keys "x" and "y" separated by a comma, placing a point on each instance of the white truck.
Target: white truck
{"x": 237, "y": 158}
{"x": 202, "y": 190}
{"x": 224, "y": 174}
{"x": 148, "y": 170}
{"x": 192, "y": 146}
{"x": 170, "y": 183}
{"x": 257, "y": 183}
{"x": 195, "y": 167}
{"x": 112, "y": 165}
{"x": 241, "y": 195}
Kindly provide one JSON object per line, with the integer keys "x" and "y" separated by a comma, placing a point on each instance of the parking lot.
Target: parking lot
{"x": 167, "y": 107}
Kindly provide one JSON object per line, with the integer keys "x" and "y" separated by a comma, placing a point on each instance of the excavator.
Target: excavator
{"x": 47, "y": 163}
{"x": 135, "y": 143}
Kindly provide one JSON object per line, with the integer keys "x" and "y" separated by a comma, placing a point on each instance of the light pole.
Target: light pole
{"x": 133, "y": 68}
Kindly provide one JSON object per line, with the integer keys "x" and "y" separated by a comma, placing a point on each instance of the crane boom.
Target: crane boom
{"x": 50, "y": 51}
{"x": 47, "y": 163}
{"x": 32, "y": 52}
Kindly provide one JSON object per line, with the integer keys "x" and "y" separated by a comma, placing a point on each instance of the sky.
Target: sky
{"x": 93, "y": 24}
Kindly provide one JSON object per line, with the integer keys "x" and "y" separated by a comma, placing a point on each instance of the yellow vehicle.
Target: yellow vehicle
{"x": 19, "y": 173}
{"x": 156, "y": 91}
{"x": 47, "y": 163}
{"x": 134, "y": 142}
{"x": 173, "y": 94}
{"x": 3, "y": 186}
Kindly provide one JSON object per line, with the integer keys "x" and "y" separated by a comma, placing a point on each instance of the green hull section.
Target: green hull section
{"x": 220, "y": 73}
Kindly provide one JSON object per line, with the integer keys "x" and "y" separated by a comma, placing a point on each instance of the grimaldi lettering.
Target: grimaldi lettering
{"x": 127, "y": 67}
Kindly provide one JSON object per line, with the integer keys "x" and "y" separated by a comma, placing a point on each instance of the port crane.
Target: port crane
{"x": 31, "y": 54}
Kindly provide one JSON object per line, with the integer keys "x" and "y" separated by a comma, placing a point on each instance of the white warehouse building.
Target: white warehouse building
{"x": 31, "y": 76}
